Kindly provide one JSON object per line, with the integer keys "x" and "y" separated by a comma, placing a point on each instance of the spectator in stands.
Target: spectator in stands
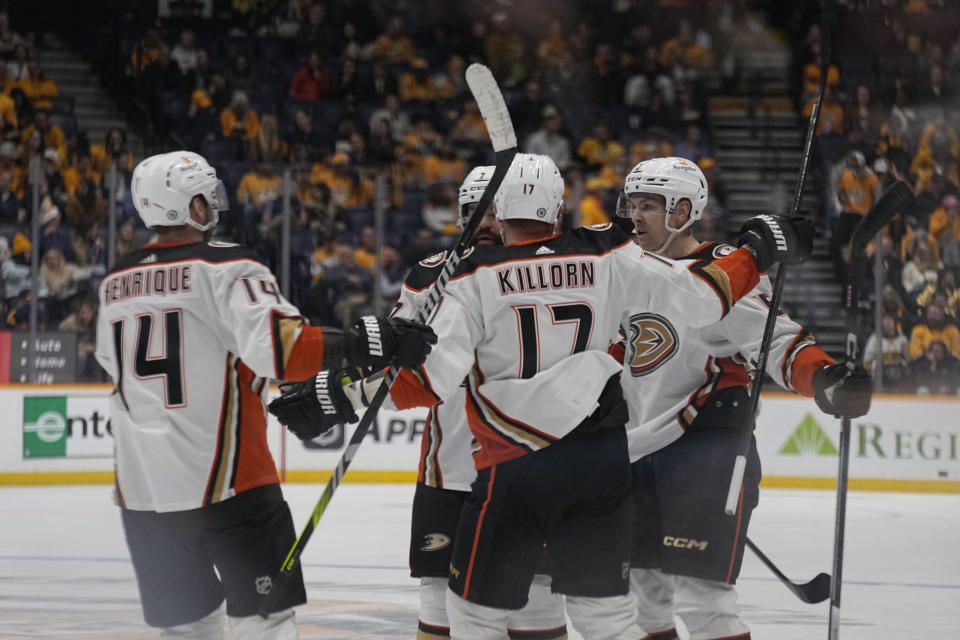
{"x": 811, "y": 77}
{"x": 365, "y": 255}
{"x": 52, "y": 134}
{"x": 549, "y": 139}
{"x": 382, "y": 83}
{"x": 469, "y": 129}
{"x": 591, "y": 206}
{"x": 312, "y": 81}
{"x": 198, "y": 77}
{"x": 600, "y": 149}
{"x": 937, "y": 371}
{"x": 440, "y": 211}
{"x": 83, "y": 322}
{"x": 451, "y": 82}
{"x": 684, "y": 56}
{"x": 945, "y": 231}
{"x": 349, "y": 83}
{"x": 423, "y": 246}
{"x": 85, "y": 207}
{"x": 146, "y": 50}
{"x": 646, "y": 77}
{"x": 52, "y": 234}
{"x": 692, "y": 145}
{"x": 267, "y": 145}
{"x": 418, "y": 84}
{"x": 9, "y": 39}
{"x": 88, "y": 251}
{"x": 895, "y": 143}
{"x": 113, "y": 150}
{"x": 606, "y": 79}
{"x": 553, "y": 46}
{"x": 304, "y": 141}
{"x": 933, "y": 327}
{"x": 398, "y": 118}
{"x": 61, "y": 281}
{"x": 347, "y": 189}
{"x": 127, "y": 241}
{"x": 9, "y": 122}
{"x": 526, "y": 111}
{"x": 856, "y": 193}
{"x": 717, "y": 199}
{"x": 21, "y": 105}
{"x": 864, "y": 113}
{"x": 316, "y": 33}
{"x": 444, "y": 165}
{"x": 15, "y": 269}
{"x": 393, "y": 46}
{"x": 81, "y": 171}
{"x": 922, "y": 268}
{"x": 319, "y": 210}
{"x": 652, "y": 144}
{"x": 240, "y": 122}
{"x": 258, "y": 188}
{"x": 12, "y": 210}
{"x": 242, "y": 78}
{"x": 831, "y": 114}
{"x": 351, "y": 286}
{"x": 891, "y": 354}
{"x": 935, "y": 91}
{"x": 382, "y": 144}
{"x": 359, "y": 157}
{"x": 938, "y": 152}
{"x": 40, "y": 89}
{"x": 393, "y": 273}
{"x": 184, "y": 53}
{"x": 17, "y": 67}
{"x": 945, "y": 293}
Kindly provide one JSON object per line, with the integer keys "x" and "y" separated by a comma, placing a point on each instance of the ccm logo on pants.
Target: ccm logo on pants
{"x": 685, "y": 543}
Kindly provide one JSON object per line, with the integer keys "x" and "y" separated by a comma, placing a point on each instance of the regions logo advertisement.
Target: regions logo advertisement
{"x": 808, "y": 439}
{"x": 66, "y": 427}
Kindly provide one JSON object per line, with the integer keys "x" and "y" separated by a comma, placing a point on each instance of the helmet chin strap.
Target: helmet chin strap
{"x": 673, "y": 232}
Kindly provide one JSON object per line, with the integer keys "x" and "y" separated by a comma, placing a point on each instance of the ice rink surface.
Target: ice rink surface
{"x": 65, "y": 573}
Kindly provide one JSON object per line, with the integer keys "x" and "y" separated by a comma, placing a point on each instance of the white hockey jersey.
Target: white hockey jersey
{"x": 190, "y": 335}
{"x": 446, "y": 461}
{"x": 673, "y": 374}
{"x": 531, "y": 324}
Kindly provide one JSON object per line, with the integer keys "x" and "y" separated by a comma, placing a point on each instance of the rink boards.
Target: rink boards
{"x": 61, "y": 435}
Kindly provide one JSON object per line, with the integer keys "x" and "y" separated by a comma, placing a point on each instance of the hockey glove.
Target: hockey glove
{"x": 841, "y": 391}
{"x": 376, "y": 343}
{"x": 775, "y": 239}
{"x": 312, "y": 407}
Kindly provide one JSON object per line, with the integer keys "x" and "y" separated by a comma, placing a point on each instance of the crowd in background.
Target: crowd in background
{"x": 891, "y": 112}
{"x": 364, "y": 106}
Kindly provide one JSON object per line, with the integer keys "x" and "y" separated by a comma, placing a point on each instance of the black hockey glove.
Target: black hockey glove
{"x": 777, "y": 239}
{"x": 841, "y": 391}
{"x": 376, "y": 343}
{"x": 312, "y": 407}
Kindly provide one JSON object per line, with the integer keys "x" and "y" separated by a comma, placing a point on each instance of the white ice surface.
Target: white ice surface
{"x": 65, "y": 573}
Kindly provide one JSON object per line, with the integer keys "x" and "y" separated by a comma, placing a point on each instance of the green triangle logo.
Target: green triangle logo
{"x": 808, "y": 439}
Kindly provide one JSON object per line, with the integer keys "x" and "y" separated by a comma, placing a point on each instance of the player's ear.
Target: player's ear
{"x": 681, "y": 213}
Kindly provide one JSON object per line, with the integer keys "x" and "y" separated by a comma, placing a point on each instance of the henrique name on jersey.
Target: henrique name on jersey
{"x": 159, "y": 280}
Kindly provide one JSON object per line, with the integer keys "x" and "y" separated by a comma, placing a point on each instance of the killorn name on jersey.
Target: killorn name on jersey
{"x": 524, "y": 278}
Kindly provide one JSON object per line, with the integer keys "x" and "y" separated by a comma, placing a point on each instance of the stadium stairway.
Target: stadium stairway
{"x": 759, "y": 138}
{"x": 94, "y": 111}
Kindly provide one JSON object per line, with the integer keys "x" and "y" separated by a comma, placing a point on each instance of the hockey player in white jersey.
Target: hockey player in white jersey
{"x": 446, "y": 468}
{"x": 531, "y": 322}
{"x": 191, "y": 332}
{"x": 688, "y": 392}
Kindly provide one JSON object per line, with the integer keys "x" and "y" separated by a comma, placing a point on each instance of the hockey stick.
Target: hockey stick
{"x": 735, "y": 491}
{"x": 485, "y": 91}
{"x": 817, "y": 590}
{"x": 895, "y": 199}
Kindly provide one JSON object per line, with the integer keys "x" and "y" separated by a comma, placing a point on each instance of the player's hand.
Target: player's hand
{"x": 312, "y": 407}
{"x": 777, "y": 239}
{"x": 376, "y": 343}
{"x": 841, "y": 391}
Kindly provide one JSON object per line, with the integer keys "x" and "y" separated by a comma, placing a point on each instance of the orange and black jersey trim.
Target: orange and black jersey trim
{"x": 212, "y": 252}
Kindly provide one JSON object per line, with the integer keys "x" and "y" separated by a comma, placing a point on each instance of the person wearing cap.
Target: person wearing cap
{"x": 856, "y": 191}
{"x": 52, "y": 234}
{"x": 549, "y": 140}
{"x": 346, "y": 188}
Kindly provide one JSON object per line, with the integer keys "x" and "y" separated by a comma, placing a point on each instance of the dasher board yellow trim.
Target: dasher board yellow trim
{"x": 862, "y": 484}
{"x": 37, "y": 478}
{"x": 362, "y": 476}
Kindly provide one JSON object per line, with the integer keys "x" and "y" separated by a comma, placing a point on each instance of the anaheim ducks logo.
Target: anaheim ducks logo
{"x": 434, "y": 260}
{"x": 722, "y": 250}
{"x": 435, "y": 542}
{"x": 652, "y": 341}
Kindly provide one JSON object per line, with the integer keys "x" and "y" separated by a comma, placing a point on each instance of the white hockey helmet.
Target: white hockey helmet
{"x": 531, "y": 190}
{"x": 471, "y": 190}
{"x": 673, "y": 178}
{"x": 164, "y": 185}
